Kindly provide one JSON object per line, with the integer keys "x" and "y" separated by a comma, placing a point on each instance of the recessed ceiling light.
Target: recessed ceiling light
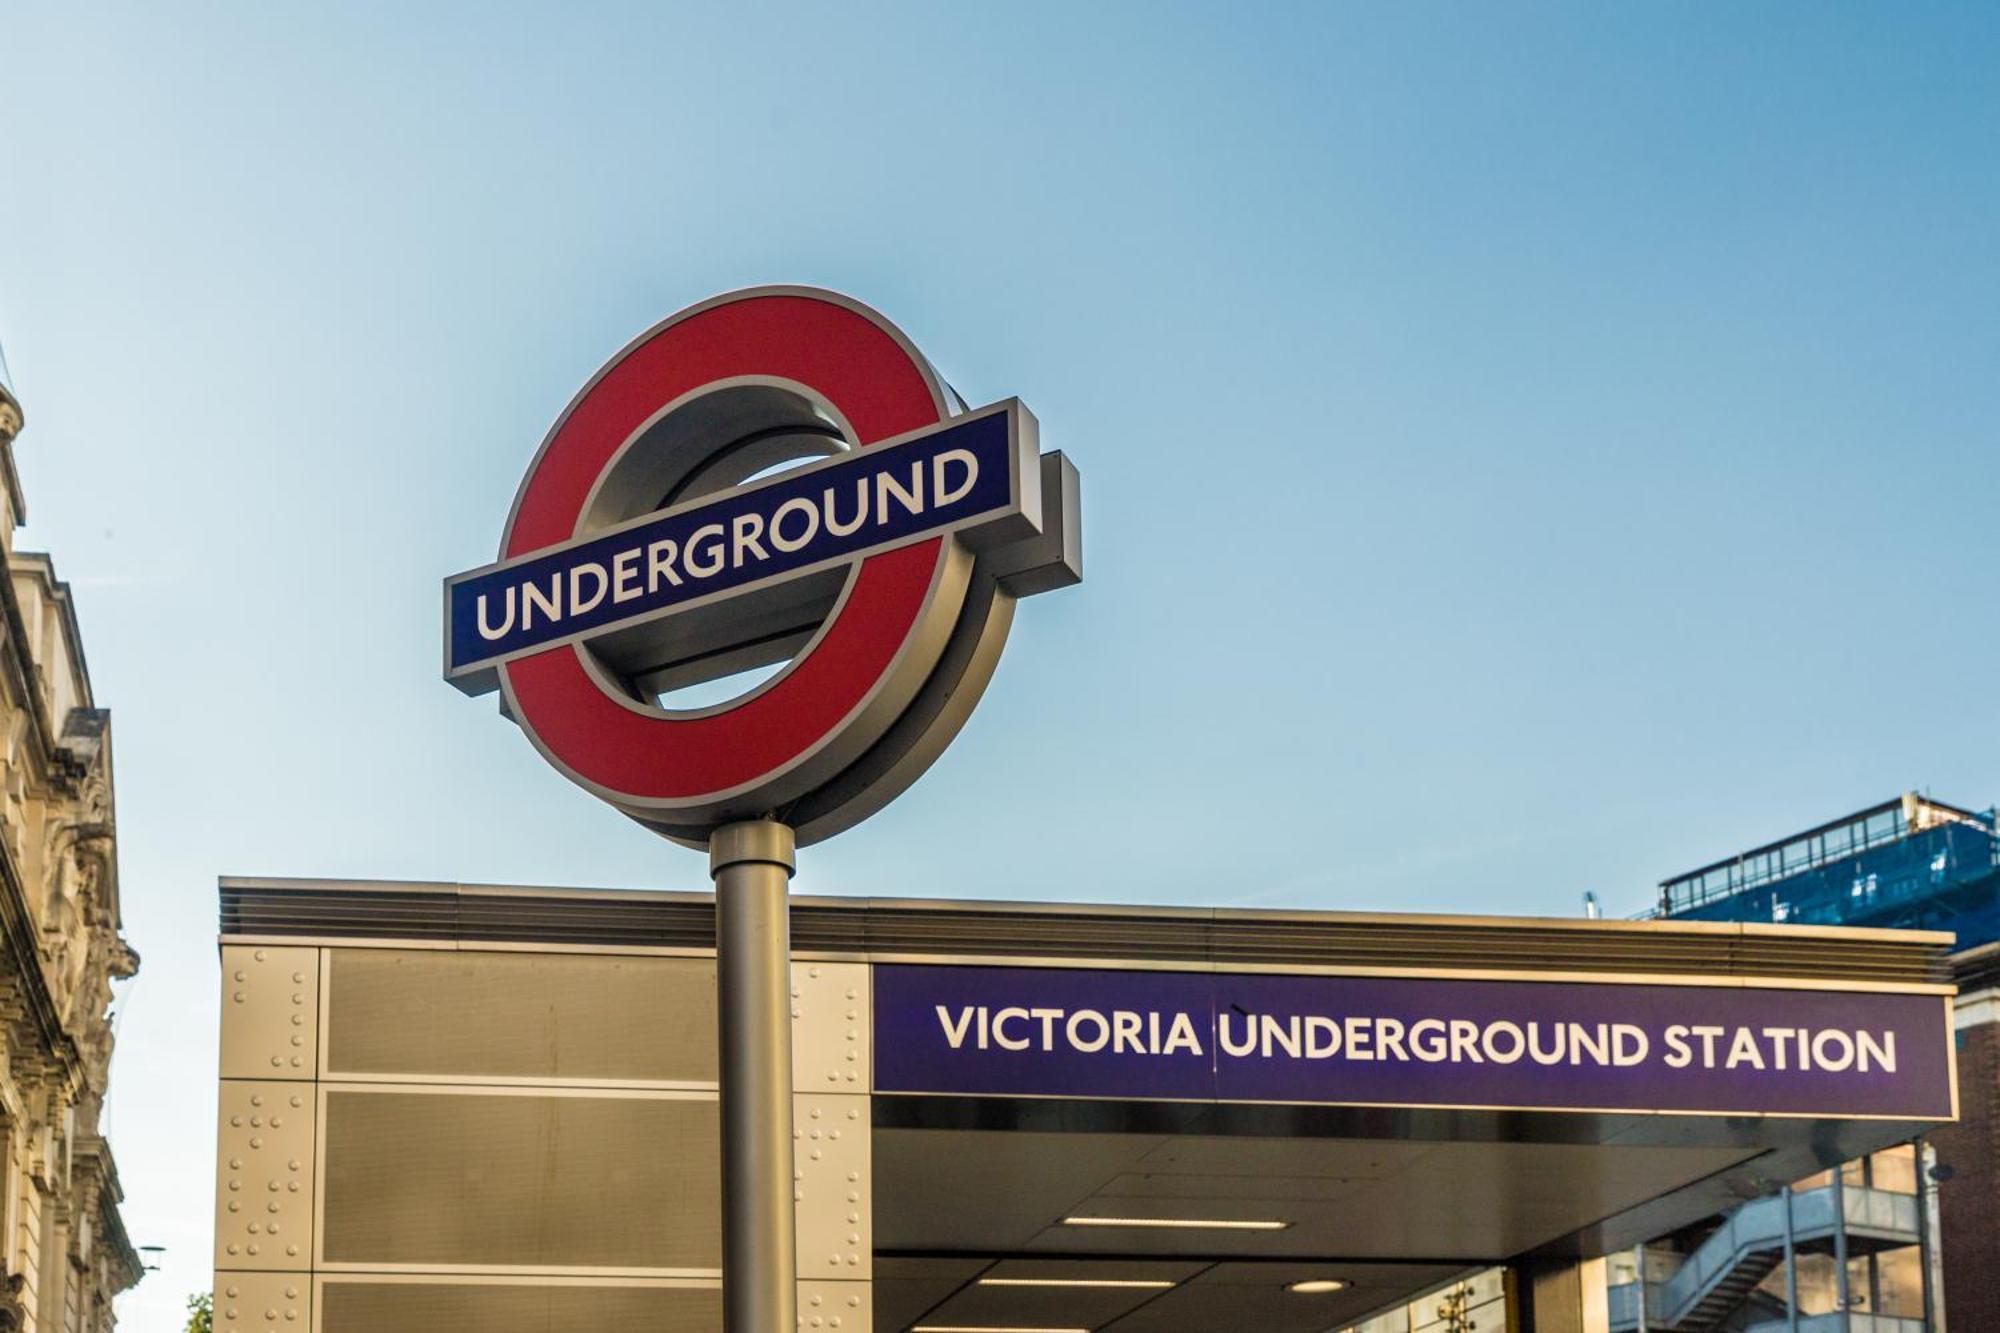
{"x": 1318, "y": 1286}
{"x": 1202, "y": 1223}
{"x": 992, "y": 1328}
{"x": 1150, "y": 1284}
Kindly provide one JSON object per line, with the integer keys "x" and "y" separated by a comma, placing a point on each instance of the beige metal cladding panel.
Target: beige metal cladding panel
{"x": 270, "y": 1012}
{"x": 831, "y": 1164}
{"x": 525, "y": 1017}
{"x": 530, "y": 1179}
{"x": 262, "y": 1303}
{"x": 830, "y": 1018}
{"x": 471, "y": 1306}
{"x": 264, "y": 1176}
{"x": 843, "y": 1306}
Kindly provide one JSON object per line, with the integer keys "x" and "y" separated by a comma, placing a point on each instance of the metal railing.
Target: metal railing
{"x": 1863, "y": 831}
{"x": 1853, "y": 1321}
{"x": 1622, "y": 1305}
{"x": 1757, "y": 1229}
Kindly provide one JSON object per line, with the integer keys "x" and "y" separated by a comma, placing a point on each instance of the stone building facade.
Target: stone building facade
{"x": 64, "y": 1253}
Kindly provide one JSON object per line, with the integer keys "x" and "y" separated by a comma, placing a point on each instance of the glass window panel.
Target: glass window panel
{"x": 1857, "y": 1285}
{"x": 1816, "y": 1284}
{"x": 1895, "y": 1169}
{"x": 1901, "y": 1273}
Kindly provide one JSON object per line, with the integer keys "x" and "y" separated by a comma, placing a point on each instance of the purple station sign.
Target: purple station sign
{"x": 1405, "y": 1041}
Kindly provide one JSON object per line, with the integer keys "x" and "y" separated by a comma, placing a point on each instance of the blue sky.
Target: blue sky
{"x": 1526, "y": 449}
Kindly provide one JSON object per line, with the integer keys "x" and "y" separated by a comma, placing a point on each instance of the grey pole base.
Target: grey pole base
{"x": 752, "y": 864}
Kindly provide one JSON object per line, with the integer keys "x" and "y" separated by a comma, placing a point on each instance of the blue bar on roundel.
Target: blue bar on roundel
{"x": 853, "y": 504}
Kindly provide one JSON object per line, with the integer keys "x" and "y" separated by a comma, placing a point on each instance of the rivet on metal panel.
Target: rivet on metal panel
{"x": 829, "y": 1030}
{"x": 276, "y": 1157}
{"x": 832, "y": 1214}
{"x": 278, "y": 1299}
{"x": 273, "y": 1011}
{"x": 843, "y": 1304}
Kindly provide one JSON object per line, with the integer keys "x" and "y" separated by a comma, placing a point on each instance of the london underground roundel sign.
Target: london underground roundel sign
{"x": 775, "y": 476}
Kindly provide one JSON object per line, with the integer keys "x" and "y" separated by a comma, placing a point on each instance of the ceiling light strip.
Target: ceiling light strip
{"x": 1149, "y": 1284}
{"x": 1201, "y": 1223}
{"x": 992, "y": 1328}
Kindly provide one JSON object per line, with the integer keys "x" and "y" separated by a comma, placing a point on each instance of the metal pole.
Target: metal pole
{"x": 1918, "y": 1151}
{"x": 1639, "y": 1258}
{"x": 1842, "y": 1294}
{"x": 1791, "y": 1270}
{"x": 752, "y": 864}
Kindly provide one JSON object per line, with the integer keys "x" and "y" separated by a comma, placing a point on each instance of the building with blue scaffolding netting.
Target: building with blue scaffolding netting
{"x": 1902, "y": 1241}
{"x": 1912, "y": 863}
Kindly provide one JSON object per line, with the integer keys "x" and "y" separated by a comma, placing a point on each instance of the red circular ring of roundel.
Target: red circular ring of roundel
{"x": 653, "y": 759}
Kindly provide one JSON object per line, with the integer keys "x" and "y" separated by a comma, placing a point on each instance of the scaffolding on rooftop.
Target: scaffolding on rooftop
{"x": 1874, "y": 862}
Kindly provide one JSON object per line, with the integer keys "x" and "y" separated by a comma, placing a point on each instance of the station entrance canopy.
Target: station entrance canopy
{"x": 450, "y": 1107}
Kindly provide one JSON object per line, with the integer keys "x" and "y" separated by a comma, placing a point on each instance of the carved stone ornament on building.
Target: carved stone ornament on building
{"x": 64, "y": 1254}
